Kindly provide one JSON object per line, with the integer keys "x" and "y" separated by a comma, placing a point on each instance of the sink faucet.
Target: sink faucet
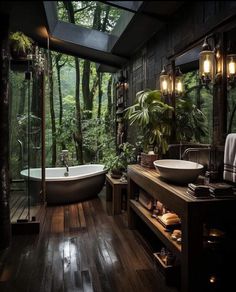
{"x": 64, "y": 157}
{"x": 195, "y": 150}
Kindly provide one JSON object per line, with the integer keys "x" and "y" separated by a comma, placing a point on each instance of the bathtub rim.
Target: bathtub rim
{"x": 24, "y": 173}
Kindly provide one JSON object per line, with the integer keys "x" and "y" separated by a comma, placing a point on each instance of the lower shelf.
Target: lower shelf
{"x": 156, "y": 227}
{"x": 171, "y": 273}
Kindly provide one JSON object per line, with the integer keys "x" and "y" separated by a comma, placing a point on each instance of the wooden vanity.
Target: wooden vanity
{"x": 194, "y": 213}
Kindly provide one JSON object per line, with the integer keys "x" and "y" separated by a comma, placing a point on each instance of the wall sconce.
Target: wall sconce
{"x": 166, "y": 82}
{"x": 178, "y": 82}
{"x": 122, "y": 81}
{"x": 231, "y": 69}
{"x": 210, "y": 65}
{"x": 207, "y": 64}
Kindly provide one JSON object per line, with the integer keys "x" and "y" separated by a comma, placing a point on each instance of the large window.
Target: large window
{"x": 194, "y": 111}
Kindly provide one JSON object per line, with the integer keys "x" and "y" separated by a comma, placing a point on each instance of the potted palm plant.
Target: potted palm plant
{"x": 20, "y": 45}
{"x": 152, "y": 115}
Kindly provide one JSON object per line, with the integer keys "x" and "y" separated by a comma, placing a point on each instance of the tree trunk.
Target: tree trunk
{"x": 99, "y": 94}
{"x": 88, "y": 95}
{"x": 35, "y": 101}
{"x": 109, "y": 113}
{"x": 5, "y": 223}
{"x": 106, "y": 18}
{"x": 22, "y": 99}
{"x": 78, "y": 133}
{"x": 58, "y": 67}
{"x": 88, "y": 101}
{"x": 52, "y": 112}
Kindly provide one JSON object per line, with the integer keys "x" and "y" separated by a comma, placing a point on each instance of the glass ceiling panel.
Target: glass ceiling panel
{"x": 94, "y": 15}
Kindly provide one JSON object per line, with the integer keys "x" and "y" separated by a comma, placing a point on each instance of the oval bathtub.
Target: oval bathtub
{"x": 83, "y": 182}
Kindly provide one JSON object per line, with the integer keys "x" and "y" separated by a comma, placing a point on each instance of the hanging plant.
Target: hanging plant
{"x": 20, "y": 45}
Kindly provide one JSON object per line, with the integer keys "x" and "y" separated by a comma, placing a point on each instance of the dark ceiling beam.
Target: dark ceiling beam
{"x": 135, "y": 35}
{"x": 137, "y": 7}
{"x": 105, "y": 68}
{"x": 50, "y": 8}
{"x": 107, "y": 59}
{"x": 82, "y": 36}
{"x": 131, "y": 6}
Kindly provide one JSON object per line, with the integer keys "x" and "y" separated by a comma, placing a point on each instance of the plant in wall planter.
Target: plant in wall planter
{"x": 152, "y": 115}
{"x": 20, "y": 45}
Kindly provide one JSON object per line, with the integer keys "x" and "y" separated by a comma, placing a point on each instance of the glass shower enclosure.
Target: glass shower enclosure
{"x": 26, "y": 185}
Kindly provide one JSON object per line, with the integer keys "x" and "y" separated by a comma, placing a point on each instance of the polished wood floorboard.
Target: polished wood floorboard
{"x": 80, "y": 248}
{"x": 19, "y": 207}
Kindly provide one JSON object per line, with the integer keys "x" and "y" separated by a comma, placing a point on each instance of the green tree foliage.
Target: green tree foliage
{"x": 231, "y": 109}
{"x": 194, "y": 111}
{"x": 98, "y": 134}
{"x": 85, "y": 14}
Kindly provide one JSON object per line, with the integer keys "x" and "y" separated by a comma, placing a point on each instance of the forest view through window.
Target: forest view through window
{"x": 78, "y": 111}
{"x": 92, "y": 14}
{"x": 194, "y": 111}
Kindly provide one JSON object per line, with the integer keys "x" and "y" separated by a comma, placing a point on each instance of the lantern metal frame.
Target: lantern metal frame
{"x": 171, "y": 82}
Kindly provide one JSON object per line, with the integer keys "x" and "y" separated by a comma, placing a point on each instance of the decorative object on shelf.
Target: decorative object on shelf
{"x": 152, "y": 115}
{"x": 167, "y": 264}
{"x": 176, "y": 235}
{"x": 147, "y": 159}
{"x": 145, "y": 200}
{"x": 21, "y": 46}
{"x": 169, "y": 220}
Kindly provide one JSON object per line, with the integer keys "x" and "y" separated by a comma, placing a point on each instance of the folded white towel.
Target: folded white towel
{"x": 230, "y": 158}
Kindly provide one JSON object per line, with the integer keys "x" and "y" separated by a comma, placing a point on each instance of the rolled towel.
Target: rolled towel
{"x": 230, "y": 158}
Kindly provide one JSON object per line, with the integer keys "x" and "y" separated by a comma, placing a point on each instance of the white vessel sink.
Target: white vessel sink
{"x": 178, "y": 171}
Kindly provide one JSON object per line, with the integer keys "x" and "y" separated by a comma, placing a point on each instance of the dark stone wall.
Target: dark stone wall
{"x": 191, "y": 24}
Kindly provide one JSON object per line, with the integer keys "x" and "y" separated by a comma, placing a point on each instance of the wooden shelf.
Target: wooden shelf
{"x": 120, "y": 98}
{"x": 156, "y": 227}
{"x": 194, "y": 214}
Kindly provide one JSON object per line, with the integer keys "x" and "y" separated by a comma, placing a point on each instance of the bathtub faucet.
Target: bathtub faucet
{"x": 64, "y": 158}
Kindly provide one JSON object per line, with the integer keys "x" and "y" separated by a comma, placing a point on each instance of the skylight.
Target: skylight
{"x": 91, "y": 14}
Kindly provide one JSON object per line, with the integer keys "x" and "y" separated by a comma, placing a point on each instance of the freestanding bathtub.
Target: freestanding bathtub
{"x": 83, "y": 182}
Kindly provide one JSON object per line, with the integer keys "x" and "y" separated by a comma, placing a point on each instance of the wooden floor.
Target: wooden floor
{"x": 19, "y": 207}
{"x": 80, "y": 248}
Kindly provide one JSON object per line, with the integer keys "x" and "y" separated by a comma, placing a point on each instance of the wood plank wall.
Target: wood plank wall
{"x": 191, "y": 24}
{"x": 5, "y": 230}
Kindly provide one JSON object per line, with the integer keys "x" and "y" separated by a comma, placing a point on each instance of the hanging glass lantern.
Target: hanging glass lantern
{"x": 231, "y": 69}
{"x": 231, "y": 65}
{"x": 206, "y": 64}
{"x": 164, "y": 82}
{"x": 179, "y": 86}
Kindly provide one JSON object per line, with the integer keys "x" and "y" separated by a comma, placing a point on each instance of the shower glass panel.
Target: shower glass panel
{"x": 25, "y": 141}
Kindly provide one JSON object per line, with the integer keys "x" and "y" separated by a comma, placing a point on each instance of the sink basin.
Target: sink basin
{"x": 178, "y": 171}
